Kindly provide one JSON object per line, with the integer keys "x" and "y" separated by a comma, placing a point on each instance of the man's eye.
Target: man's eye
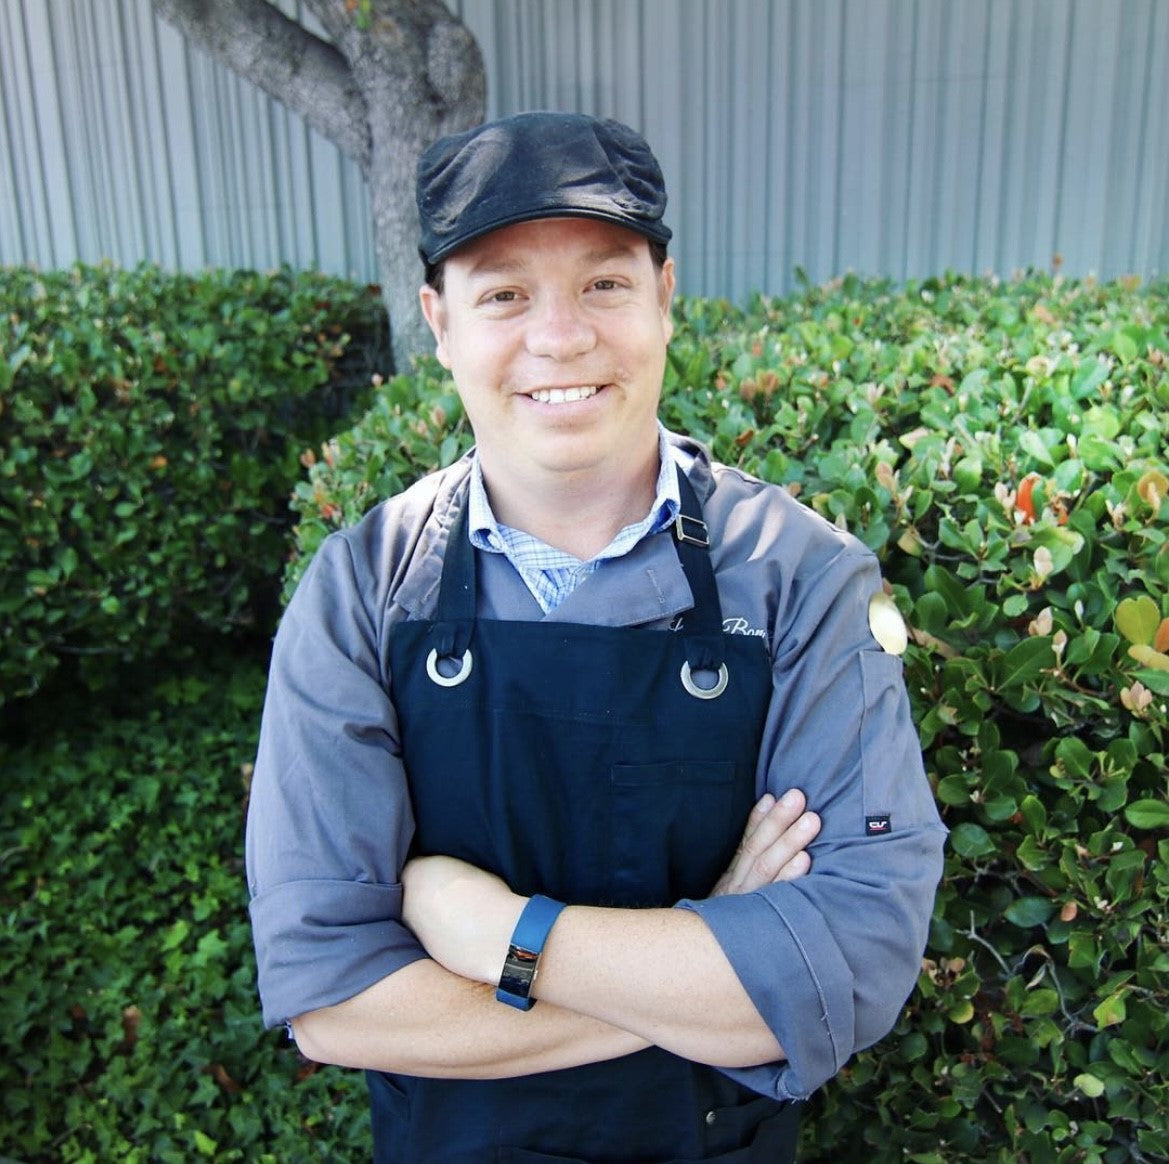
{"x": 503, "y": 297}
{"x": 605, "y": 285}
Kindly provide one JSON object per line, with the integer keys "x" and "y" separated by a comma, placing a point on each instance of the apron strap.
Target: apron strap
{"x": 693, "y": 545}
{"x": 454, "y": 620}
{"x": 703, "y": 627}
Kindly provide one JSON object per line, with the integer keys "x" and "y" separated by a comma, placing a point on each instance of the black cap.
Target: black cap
{"x": 537, "y": 165}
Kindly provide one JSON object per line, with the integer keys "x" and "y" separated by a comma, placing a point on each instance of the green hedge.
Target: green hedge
{"x": 1037, "y": 671}
{"x": 1003, "y": 448}
{"x": 131, "y": 1031}
{"x": 149, "y": 430}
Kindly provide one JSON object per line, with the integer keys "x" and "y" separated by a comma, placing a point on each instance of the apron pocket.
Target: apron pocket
{"x": 774, "y": 1142}
{"x": 389, "y": 1112}
{"x": 675, "y": 827}
{"x": 771, "y": 1139}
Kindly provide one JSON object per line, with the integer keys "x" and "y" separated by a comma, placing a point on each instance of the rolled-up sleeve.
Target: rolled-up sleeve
{"x": 329, "y": 818}
{"x": 829, "y": 959}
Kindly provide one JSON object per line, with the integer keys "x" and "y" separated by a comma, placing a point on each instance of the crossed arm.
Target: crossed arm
{"x": 611, "y": 981}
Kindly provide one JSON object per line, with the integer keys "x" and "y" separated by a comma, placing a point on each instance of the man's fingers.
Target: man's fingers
{"x": 783, "y": 846}
{"x": 800, "y": 864}
{"x": 773, "y": 844}
{"x": 766, "y": 825}
{"x": 762, "y": 807}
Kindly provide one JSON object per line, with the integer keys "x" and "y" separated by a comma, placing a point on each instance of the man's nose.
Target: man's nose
{"x": 559, "y": 328}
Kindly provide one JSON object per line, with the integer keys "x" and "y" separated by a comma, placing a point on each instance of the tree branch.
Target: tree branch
{"x": 308, "y": 75}
{"x": 336, "y": 19}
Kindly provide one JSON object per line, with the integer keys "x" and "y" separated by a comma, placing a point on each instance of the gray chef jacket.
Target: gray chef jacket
{"x": 828, "y": 959}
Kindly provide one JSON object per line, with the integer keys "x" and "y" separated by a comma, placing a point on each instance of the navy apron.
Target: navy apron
{"x": 595, "y": 765}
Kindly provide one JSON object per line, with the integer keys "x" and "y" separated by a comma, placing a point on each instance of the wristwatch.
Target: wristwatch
{"x": 523, "y": 954}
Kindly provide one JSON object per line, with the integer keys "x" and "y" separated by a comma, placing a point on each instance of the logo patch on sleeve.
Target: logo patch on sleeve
{"x": 877, "y": 826}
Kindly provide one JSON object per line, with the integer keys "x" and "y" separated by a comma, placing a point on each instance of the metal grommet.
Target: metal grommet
{"x": 704, "y": 692}
{"x": 443, "y": 680}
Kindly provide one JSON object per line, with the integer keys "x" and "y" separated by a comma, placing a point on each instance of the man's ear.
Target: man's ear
{"x": 666, "y": 297}
{"x": 434, "y": 312}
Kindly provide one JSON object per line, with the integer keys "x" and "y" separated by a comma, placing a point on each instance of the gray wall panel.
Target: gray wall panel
{"x": 895, "y": 137}
{"x": 25, "y": 171}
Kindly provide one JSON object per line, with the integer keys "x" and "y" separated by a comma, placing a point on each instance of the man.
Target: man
{"x": 511, "y": 754}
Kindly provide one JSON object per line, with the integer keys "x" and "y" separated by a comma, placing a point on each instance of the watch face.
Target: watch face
{"x": 519, "y": 972}
{"x": 523, "y": 954}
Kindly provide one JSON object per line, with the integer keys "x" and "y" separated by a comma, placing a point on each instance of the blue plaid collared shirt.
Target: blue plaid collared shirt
{"x": 550, "y": 574}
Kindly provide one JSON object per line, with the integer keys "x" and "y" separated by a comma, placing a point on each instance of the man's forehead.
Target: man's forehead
{"x": 579, "y": 240}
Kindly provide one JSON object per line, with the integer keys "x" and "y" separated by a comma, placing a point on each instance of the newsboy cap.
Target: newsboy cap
{"x": 537, "y": 165}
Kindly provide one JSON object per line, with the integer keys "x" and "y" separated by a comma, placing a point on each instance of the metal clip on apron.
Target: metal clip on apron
{"x": 608, "y": 766}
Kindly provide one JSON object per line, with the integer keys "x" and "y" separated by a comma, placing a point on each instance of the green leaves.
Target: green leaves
{"x": 1148, "y": 814}
{"x": 131, "y": 1024}
{"x": 149, "y": 428}
{"x": 971, "y": 840}
{"x": 1023, "y": 663}
{"x": 1036, "y": 448}
{"x": 414, "y": 425}
{"x": 1138, "y": 618}
{"x": 1026, "y": 912}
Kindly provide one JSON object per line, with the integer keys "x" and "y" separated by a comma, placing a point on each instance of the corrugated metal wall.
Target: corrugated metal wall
{"x": 894, "y": 137}
{"x": 122, "y": 142}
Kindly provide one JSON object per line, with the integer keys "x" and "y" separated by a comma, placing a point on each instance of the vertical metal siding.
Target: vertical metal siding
{"x": 895, "y": 137}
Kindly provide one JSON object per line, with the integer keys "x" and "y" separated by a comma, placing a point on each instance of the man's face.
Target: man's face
{"x": 555, "y": 332}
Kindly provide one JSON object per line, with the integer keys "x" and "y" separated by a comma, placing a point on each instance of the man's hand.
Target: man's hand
{"x": 774, "y": 845}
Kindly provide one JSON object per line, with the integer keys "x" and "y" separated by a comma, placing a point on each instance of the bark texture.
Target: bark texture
{"x": 389, "y": 77}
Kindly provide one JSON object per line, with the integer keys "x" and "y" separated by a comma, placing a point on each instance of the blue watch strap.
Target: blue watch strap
{"x": 523, "y": 954}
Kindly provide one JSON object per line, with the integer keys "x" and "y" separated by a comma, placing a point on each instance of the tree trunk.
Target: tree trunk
{"x": 422, "y": 78}
{"x": 395, "y": 230}
{"x": 393, "y": 76}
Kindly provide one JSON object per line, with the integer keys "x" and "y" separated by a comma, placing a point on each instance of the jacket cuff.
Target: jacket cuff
{"x": 794, "y": 973}
{"x": 319, "y": 943}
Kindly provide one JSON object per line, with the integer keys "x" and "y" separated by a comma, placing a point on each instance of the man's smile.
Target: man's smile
{"x": 563, "y": 395}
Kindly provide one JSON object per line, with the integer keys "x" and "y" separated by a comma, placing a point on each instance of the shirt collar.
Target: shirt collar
{"x": 485, "y": 531}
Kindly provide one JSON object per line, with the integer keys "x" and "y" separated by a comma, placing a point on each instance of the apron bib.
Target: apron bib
{"x": 608, "y": 766}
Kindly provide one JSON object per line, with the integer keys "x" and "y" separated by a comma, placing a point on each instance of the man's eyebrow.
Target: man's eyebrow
{"x": 621, "y": 250}
{"x": 491, "y": 266}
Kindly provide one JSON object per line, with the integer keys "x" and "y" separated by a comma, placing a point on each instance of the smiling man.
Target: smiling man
{"x": 547, "y": 728}
{"x": 559, "y": 365}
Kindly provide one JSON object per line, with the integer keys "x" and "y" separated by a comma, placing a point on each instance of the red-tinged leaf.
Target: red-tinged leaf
{"x": 1025, "y": 502}
{"x": 1161, "y": 638}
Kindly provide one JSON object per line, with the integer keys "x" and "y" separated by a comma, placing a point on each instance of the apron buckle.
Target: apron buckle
{"x": 448, "y": 680}
{"x": 691, "y": 531}
{"x": 705, "y": 692}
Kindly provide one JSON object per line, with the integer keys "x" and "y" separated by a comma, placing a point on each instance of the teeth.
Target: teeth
{"x": 563, "y": 395}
